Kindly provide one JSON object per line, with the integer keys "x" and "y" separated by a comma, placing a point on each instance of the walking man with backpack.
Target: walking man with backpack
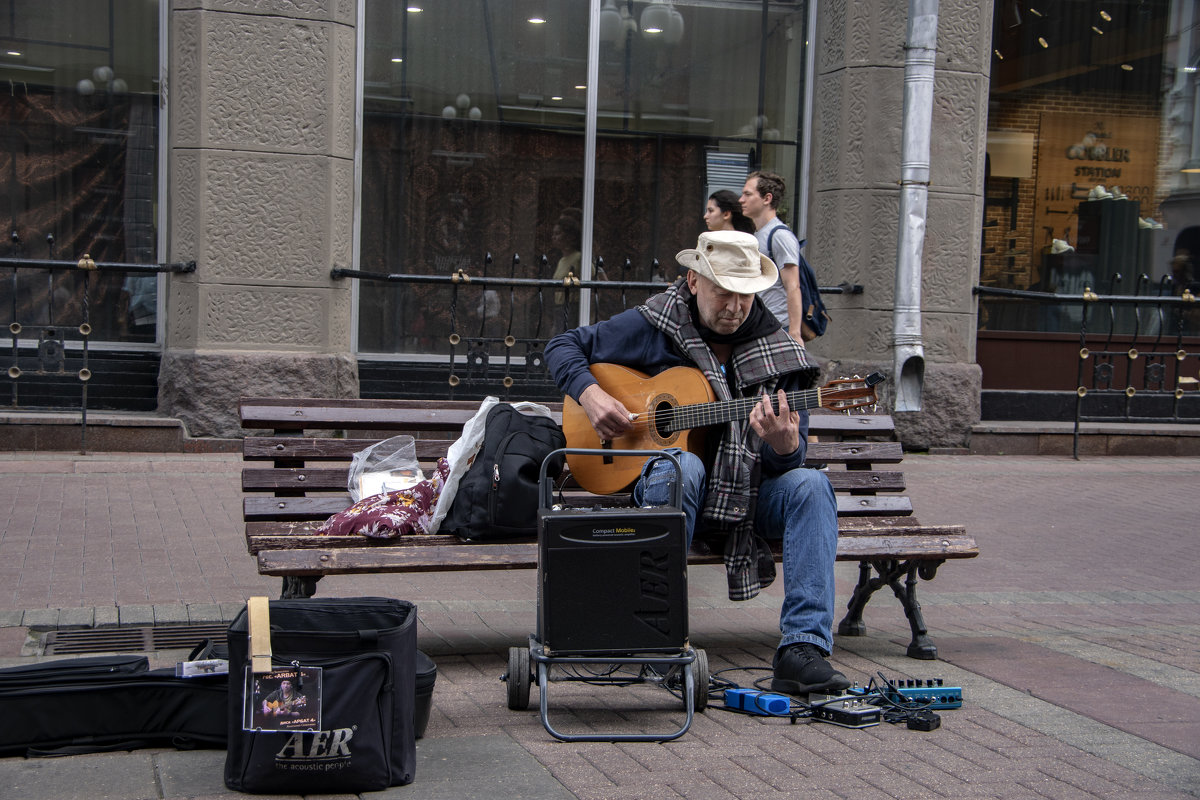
{"x": 793, "y": 299}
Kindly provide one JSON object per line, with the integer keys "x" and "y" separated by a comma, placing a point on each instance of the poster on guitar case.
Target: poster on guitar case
{"x": 283, "y": 700}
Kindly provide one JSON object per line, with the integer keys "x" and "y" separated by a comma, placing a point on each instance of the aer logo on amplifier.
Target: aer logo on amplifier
{"x": 654, "y": 582}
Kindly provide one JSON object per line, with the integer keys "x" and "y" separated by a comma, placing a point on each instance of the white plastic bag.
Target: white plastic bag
{"x": 384, "y": 467}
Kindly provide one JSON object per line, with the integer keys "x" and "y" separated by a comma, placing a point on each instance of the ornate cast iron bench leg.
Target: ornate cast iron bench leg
{"x": 921, "y": 646}
{"x": 852, "y": 624}
{"x": 890, "y": 572}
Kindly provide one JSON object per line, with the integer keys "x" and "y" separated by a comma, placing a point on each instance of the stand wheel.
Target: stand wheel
{"x": 519, "y": 678}
{"x": 700, "y": 673}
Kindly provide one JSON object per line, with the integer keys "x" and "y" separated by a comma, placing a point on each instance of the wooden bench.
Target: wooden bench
{"x": 295, "y": 477}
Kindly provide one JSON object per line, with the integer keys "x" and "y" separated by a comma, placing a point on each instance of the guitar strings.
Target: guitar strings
{"x": 703, "y": 414}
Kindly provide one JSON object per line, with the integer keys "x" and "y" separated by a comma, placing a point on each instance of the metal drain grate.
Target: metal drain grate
{"x": 138, "y": 640}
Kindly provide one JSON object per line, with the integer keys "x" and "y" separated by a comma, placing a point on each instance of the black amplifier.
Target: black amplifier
{"x": 612, "y": 580}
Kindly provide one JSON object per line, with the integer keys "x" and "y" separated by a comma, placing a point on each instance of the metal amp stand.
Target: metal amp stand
{"x": 666, "y": 659}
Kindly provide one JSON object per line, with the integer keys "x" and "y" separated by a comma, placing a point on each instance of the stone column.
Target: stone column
{"x": 261, "y": 99}
{"x": 854, "y": 201}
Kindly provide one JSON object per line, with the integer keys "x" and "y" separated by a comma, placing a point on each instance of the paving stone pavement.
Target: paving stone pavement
{"x": 1087, "y": 568}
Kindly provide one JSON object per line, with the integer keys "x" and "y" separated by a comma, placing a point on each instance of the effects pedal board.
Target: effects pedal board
{"x": 930, "y": 693}
{"x": 848, "y": 711}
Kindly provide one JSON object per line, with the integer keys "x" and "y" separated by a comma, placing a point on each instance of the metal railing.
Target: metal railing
{"x": 50, "y": 340}
{"x": 472, "y": 362}
{"x": 1153, "y": 372}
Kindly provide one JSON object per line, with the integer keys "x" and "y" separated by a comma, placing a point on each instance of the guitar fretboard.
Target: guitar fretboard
{"x": 699, "y": 415}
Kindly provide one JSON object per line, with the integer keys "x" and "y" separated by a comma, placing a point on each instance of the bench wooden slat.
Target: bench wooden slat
{"x": 360, "y": 560}
{"x": 272, "y": 448}
{"x": 326, "y": 479}
{"x": 855, "y": 452}
{"x": 318, "y": 413}
{"x": 293, "y": 414}
{"x": 300, "y": 534}
{"x": 851, "y": 424}
{"x": 407, "y": 556}
{"x": 360, "y": 414}
{"x": 312, "y": 479}
{"x": 269, "y": 448}
{"x": 263, "y": 509}
{"x": 268, "y": 507}
{"x": 866, "y": 505}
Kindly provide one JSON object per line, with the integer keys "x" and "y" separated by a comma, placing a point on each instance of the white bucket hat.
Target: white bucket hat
{"x": 731, "y": 260}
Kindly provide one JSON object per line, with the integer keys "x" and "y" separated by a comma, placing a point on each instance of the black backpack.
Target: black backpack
{"x": 498, "y": 497}
{"x": 815, "y": 316}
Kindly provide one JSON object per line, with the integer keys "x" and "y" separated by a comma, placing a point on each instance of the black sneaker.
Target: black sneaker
{"x": 801, "y": 668}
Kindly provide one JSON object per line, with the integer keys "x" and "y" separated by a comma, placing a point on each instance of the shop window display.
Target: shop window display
{"x": 1091, "y": 124}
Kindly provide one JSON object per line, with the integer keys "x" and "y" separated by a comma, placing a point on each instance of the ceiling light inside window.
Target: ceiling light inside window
{"x": 1042, "y": 41}
{"x": 537, "y": 20}
{"x": 1127, "y": 67}
{"x": 1035, "y": 12}
{"x": 1097, "y": 30}
{"x": 656, "y": 17}
{"x": 13, "y": 53}
{"x": 999, "y": 55}
{"x": 1104, "y": 15}
{"x": 414, "y": 9}
{"x": 397, "y": 60}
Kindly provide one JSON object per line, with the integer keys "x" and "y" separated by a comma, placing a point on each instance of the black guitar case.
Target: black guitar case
{"x": 104, "y": 703}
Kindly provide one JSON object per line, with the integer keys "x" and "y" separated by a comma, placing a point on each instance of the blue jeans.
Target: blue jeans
{"x": 798, "y": 507}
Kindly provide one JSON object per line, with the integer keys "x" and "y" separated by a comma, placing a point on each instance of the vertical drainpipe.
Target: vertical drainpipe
{"x": 920, "y": 50}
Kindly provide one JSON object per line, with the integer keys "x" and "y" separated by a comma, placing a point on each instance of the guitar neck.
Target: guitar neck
{"x": 700, "y": 415}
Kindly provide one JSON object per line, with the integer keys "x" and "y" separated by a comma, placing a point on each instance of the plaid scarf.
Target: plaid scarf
{"x": 733, "y": 477}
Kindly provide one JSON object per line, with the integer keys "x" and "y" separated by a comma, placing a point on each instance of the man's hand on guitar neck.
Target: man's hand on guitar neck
{"x": 609, "y": 417}
{"x": 781, "y": 431}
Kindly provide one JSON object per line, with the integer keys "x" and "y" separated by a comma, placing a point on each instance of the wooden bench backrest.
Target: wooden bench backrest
{"x": 299, "y": 471}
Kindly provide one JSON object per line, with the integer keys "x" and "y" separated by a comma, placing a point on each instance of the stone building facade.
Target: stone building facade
{"x": 262, "y": 109}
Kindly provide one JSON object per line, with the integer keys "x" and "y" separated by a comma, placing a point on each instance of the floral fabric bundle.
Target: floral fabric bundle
{"x": 391, "y": 514}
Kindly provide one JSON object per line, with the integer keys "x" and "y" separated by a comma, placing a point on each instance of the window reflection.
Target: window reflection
{"x": 474, "y": 144}
{"x": 79, "y": 159}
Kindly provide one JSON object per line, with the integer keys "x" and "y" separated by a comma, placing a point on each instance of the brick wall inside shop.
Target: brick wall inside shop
{"x": 1009, "y": 258}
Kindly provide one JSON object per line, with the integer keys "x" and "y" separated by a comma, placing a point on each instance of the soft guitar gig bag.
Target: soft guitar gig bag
{"x": 106, "y": 703}
{"x": 366, "y": 650}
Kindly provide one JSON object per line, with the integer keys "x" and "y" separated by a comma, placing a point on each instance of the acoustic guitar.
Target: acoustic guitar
{"x": 673, "y": 407}
{"x": 281, "y": 707}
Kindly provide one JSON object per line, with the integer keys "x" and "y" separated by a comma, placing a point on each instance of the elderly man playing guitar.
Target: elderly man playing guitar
{"x": 745, "y": 478}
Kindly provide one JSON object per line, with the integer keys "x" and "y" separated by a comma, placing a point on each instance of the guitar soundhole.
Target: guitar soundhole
{"x": 664, "y": 415}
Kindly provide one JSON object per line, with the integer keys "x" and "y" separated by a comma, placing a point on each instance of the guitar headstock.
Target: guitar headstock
{"x": 845, "y": 394}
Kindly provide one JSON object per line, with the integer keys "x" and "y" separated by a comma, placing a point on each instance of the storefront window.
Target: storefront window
{"x": 1093, "y": 119}
{"x": 474, "y": 143}
{"x": 79, "y": 160}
